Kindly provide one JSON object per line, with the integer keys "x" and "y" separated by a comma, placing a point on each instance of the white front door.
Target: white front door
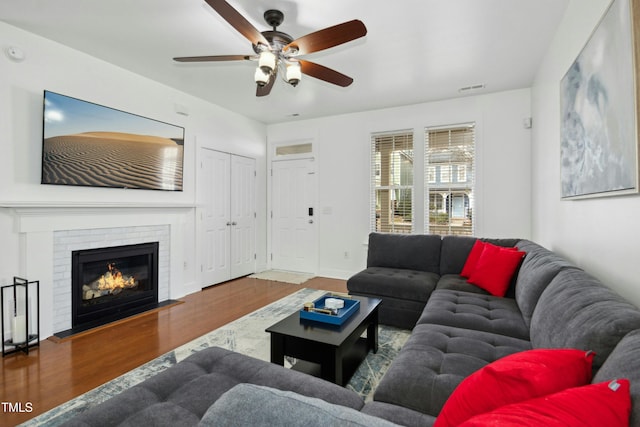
{"x": 294, "y": 236}
{"x": 227, "y": 216}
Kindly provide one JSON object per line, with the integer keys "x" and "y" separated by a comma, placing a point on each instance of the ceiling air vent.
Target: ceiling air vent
{"x": 472, "y": 88}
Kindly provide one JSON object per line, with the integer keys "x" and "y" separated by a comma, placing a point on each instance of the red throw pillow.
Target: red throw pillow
{"x": 516, "y": 378}
{"x": 495, "y": 267}
{"x": 472, "y": 259}
{"x": 597, "y": 405}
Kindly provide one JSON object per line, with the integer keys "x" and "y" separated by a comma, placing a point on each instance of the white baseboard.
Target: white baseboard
{"x": 336, "y": 273}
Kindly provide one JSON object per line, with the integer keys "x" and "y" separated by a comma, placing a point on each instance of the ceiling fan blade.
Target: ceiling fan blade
{"x": 266, "y": 89}
{"x": 212, "y": 58}
{"x": 237, "y": 21}
{"x": 323, "y": 73}
{"x": 328, "y": 37}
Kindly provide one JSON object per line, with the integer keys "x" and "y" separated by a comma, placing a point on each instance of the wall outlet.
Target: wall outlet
{"x": 185, "y": 265}
{"x": 346, "y": 254}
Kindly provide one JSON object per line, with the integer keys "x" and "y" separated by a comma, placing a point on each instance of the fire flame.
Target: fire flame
{"x": 113, "y": 280}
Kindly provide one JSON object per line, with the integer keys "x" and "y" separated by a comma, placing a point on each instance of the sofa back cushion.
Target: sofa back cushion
{"x": 455, "y": 250}
{"x": 623, "y": 362}
{"x": 254, "y": 405}
{"x": 538, "y": 268}
{"x": 578, "y": 311}
{"x": 419, "y": 252}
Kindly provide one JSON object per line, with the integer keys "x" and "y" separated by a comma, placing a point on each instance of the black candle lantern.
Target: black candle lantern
{"x": 16, "y": 314}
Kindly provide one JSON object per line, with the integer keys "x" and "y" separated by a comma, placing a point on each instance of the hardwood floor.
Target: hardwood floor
{"x": 59, "y": 371}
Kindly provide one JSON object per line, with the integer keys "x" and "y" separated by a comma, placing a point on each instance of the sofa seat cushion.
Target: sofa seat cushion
{"x": 134, "y": 407}
{"x": 475, "y": 311}
{"x": 435, "y": 360}
{"x": 456, "y": 282}
{"x": 577, "y": 311}
{"x": 182, "y": 394}
{"x": 401, "y": 313}
{"x": 398, "y": 414}
{"x": 398, "y": 283}
{"x": 252, "y": 405}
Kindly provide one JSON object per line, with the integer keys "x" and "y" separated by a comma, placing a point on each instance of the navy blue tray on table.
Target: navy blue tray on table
{"x": 350, "y": 307}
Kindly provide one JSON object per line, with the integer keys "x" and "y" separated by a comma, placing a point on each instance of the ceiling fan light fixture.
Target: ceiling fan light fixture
{"x": 276, "y": 51}
{"x": 261, "y": 77}
{"x": 267, "y": 61}
{"x": 294, "y": 73}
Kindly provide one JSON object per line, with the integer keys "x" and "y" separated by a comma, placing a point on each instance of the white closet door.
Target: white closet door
{"x": 227, "y": 216}
{"x": 243, "y": 216}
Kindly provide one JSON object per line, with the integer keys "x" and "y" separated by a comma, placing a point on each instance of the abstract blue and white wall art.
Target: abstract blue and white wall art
{"x": 598, "y": 140}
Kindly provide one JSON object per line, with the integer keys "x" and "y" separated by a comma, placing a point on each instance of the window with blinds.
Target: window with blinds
{"x": 392, "y": 182}
{"x": 449, "y": 180}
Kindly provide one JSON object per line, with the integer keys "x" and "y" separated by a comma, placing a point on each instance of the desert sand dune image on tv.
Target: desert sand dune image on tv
{"x": 86, "y": 144}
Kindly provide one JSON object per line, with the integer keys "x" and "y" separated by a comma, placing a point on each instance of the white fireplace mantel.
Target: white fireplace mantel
{"x": 38, "y": 222}
{"x": 49, "y": 216}
{"x": 83, "y": 204}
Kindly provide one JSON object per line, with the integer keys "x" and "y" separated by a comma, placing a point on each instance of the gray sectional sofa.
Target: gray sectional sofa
{"x": 404, "y": 269}
{"x": 457, "y": 329}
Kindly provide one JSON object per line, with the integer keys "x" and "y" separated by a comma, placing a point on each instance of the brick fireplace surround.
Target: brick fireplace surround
{"x": 66, "y": 241}
{"x": 49, "y": 234}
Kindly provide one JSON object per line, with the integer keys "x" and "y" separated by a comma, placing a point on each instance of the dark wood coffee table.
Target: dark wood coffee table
{"x": 329, "y": 351}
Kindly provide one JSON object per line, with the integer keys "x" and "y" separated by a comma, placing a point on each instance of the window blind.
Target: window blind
{"x": 392, "y": 195}
{"x": 449, "y": 180}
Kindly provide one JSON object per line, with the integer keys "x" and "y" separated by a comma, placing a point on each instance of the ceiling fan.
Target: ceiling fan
{"x": 276, "y": 50}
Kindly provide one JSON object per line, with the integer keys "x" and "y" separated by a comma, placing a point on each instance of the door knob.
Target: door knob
{"x": 310, "y": 221}
{"x": 234, "y": 223}
{"x": 229, "y": 223}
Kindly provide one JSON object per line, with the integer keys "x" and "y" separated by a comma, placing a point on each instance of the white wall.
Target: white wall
{"x": 599, "y": 235}
{"x": 49, "y": 65}
{"x": 342, "y": 150}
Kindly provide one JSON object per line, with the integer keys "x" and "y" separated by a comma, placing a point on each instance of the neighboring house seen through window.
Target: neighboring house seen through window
{"x": 448, "y": 172}
{"x": 451, "y": 152}
{"x": 392, "y": 182}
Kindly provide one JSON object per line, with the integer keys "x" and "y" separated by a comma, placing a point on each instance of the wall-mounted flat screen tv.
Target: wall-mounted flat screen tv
{"x": 87, "y": 144}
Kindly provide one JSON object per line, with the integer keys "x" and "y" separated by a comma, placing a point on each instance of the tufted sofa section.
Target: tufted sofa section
{"x": 552, "y": 304}
{"x": 399, "y": 275}
{"x": 435, "y": 360}
{"x": 182, "y": 394}
{"x": 404, "y": 269}
{"x": 475, "y": 311}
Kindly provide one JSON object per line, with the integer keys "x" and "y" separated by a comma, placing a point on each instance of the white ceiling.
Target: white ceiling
{"x": 416, "y": 51}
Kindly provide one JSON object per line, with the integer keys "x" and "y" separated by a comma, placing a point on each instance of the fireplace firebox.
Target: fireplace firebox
{"x": 111, "y": 283}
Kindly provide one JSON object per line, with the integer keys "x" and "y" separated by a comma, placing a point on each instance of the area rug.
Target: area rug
{"x": 246, "y": 335}
{"x": 283, "y": 276}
